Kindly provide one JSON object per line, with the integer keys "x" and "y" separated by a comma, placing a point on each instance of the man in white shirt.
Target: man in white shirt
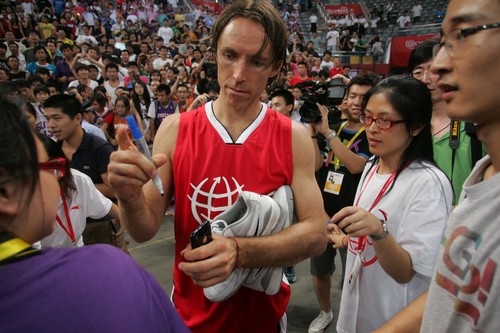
{"x": 417, "y": 12}
{"x": 332, "y": 39}
{"x": 404, "y": 20}
{"x": 166, "y": 32}
{"x": 86, "y": 37}
{"x": 159, "y": 63}
{"x": 327, "y": 60}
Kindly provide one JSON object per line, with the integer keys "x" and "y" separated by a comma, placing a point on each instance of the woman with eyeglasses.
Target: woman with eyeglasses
{"x": 393, "y": 230}
{"x": 94, "y": 288}
{"x": 79, "y": 199}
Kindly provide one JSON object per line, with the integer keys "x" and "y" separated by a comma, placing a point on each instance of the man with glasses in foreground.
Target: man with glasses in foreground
{"x": 463, "y": 296}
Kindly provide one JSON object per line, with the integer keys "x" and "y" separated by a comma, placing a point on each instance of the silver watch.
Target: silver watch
{"x": 384, "y": 234}
{"x": 331, "y": 136}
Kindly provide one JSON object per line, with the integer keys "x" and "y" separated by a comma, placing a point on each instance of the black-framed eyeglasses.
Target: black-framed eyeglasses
{"x": 55, "y": 165}
{"x": 381, "y": 123}
{"x": 454, "y": 40}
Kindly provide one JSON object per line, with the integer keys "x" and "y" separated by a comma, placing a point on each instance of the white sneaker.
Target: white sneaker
{"x": 253, "y": 215}
{"x": 321, "y": 322}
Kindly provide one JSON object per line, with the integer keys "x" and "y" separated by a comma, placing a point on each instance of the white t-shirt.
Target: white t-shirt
{"x": 403, "y": 21}
{"x": 332, "y": 38}
{"x": 112, "y": 90}
{"x": 86, "y": 201}
{"x": 93, "y": 84}
{"x": 417, "y": 11}
{"x": 88, "y": 39}
{"x": 166, "y": 33}
{"x": 415, "y": 212}
{"x": 159, "y": 63}
{"x": 328, "y": 64}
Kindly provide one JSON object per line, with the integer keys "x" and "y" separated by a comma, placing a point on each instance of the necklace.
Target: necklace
{"x": 442, "y": 129}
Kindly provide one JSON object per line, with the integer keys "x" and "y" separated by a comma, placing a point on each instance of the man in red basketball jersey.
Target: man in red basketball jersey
{"x": 209, "y": 155}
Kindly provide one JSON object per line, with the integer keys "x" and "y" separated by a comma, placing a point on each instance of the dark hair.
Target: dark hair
{"x": 363, "y": 79}
{"x": 3, "y": 46}
{"x": 9, "y": 88}
{"x": 262, "y": 12}
{"x": 132, "y": 64}
{"x": 422, "y": 53}
{"x": 28, "y": 108}
{"x": 39, "y": 47}
{"x": 80, "y": 67}
{"x": 66, "y": 46}
{"x": 212, "y": 86}
{"x": 42, "y": 70}
{"x": 100, "y": 89}
{"x": 19, "y": 160}
{"x": 100, "y": 99}
{"x": 110, "y": 66}
{"x": 54, "y": 150}
{"x": 69, "y": 105}
{"x": 327, "y": 52}
{"x": 164, "y": 87}
{"x": 324, "y": 73}
{"x": 136, "y": 99}
{"x": 41, "y": 89}
{"x": 34, "y": 79}
{"x": 412, "y": 100}
{"x": 125, "y": 101}
{"x": 81, "y": 87}
{"x": 12, "y": 57}
{"x": 287, "y": 96}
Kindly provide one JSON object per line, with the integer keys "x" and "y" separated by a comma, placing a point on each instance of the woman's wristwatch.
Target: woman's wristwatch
{"x": 384, "y": 234}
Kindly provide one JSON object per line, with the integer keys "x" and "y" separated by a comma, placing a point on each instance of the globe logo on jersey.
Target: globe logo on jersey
{"x": 209, "y": 199}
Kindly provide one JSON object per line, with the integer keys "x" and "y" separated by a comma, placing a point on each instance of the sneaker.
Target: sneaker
{"x": 253, "y": 215}
{"x": 321, "y": 322}
{"x": 290, "y": 274}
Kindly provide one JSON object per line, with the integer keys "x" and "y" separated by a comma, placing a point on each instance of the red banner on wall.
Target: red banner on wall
{"x": 343, "y": 10}
{"x": 212, "y": 6}
{"x": 402, "y": 46}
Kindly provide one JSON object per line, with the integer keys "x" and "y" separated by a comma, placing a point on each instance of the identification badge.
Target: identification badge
{"x": 334, "y": 182}
{"x": 356, "y": 269}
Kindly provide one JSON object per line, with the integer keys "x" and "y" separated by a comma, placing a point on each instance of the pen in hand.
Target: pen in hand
{"x": 142, "y": 146}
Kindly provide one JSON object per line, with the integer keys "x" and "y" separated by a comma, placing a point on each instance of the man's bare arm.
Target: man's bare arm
{"x": 141, "y": 206}
{"x": 407, "y": 320}
{"x": 308, "y": 235}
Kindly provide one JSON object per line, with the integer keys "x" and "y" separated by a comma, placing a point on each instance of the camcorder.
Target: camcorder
{"x": 327, "y": 94}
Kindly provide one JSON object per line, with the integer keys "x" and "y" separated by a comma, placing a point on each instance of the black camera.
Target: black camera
{"x": 327, "y": 94}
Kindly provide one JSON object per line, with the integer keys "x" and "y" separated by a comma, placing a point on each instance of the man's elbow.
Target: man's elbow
{"x": 318, "y": 244}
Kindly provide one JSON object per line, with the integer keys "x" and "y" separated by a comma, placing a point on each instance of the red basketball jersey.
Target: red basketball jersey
{"x": 209, "y": 172}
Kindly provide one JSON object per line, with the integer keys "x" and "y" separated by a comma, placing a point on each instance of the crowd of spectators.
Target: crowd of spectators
{"x": 157, "y": 53}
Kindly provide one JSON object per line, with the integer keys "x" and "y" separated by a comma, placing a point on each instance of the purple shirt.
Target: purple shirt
{"x": 94, "y": 288}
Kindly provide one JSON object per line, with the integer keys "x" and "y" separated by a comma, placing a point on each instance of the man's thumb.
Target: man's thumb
{"x": 123, "y": 139}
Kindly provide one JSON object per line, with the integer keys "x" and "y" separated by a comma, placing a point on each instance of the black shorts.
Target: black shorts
{"x": 324, "y": 263}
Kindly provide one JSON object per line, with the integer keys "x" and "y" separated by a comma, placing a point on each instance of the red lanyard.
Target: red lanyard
{"x": 364, "y": 239}
{"x": 388, "y": 183}
{"x": 69, "y": 230}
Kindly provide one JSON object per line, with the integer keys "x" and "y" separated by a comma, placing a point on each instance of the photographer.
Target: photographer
{"x": 345, "y": 153}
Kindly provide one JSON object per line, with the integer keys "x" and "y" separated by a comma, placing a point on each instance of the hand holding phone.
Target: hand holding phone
{"x": 202, "y": 235}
